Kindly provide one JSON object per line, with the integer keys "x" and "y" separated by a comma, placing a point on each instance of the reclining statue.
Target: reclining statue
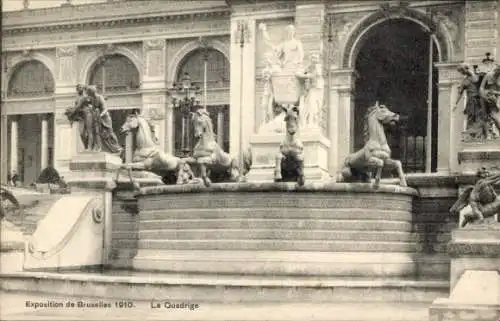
{"x": 479, "y": 201}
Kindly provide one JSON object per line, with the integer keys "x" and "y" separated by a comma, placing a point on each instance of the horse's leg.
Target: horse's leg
{"x": 277, "y": 170}
{"x": 234, "y": 170}
{"x": 379, "y": 165}
{"x": 395, "y": 164}
{"x": 300, "y": 170}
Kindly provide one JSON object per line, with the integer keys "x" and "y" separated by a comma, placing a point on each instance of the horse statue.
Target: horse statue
{"x": 213, "y": 163}
{"x": 148, "y": 157}
{"x": 376, "y": 153}
{"x": 480, "y": 201}
{"x": 290, "y": 159}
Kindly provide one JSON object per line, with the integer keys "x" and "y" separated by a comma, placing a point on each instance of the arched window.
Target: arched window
{"x": 217, "y": 77}
{"x": 217, "y": 68}
{"x": 31, "y": 79}
{"x": 117, "y": 72}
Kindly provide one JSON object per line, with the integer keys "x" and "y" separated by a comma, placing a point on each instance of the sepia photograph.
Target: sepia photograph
{"x": 226, "y": 160}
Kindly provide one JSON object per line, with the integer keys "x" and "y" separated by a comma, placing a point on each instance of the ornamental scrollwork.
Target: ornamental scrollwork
{"x": 154, "y": 44}
{"x": 66, "y": 51}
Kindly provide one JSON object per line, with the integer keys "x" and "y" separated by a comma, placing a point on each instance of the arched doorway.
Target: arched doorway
{"x": 116, "y": 76}
{"x": 393, "y": 68}
{"x": 217, "y": 84}
{"x": 29, "y": 105}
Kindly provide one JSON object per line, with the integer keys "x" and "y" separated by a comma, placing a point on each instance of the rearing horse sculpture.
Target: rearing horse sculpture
{"x": 376, "y": 153}
{"x": 290, "y": 159}
{"x": 210, "y": 158}
{"x": 148, "y": 156}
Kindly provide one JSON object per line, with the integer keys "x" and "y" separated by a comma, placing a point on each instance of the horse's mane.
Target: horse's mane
{"x": 366, "y": 132}
{"x": 205, "y": 117}
{"x": 143, "y": 121}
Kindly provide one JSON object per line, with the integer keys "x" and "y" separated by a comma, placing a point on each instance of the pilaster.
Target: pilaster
{"x": 242, "y": 91}
{"x": 309, "y": 21}
{"x": 341, "y": 118}
{"x": 66, "y": 140}
{"x": 450, "y": 123}
{"x": 4, "y": 169}
{"x": 154, "y": 102}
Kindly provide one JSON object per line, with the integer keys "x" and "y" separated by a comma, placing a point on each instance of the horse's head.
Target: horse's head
{"x": 384, "y": 115}
{"x": 292, "y": 120}
{"x": 202, "y": 124}
{"x": 131, "y": 123}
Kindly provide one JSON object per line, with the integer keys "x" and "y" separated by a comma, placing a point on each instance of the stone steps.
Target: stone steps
{"x": 225, "y": 288}
{"x": 276, "y": 213}
{"x": 256, "y": 223}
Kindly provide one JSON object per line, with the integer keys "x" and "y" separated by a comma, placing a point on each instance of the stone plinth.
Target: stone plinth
{"x": 103, "y": 165}
{"x": 475, "y": 278}
{"x": 265, "y": 148}
{"x": 478, "y": 154}
{"x": 319, "y": 229}
{"x": 476, "y": 296}
{"x": 475, "y": 247}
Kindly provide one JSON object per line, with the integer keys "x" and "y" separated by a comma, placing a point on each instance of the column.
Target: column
{"x": 449, "y": 127}
{"x": 14, "y": 140}
{"x": 341, "y": 117}
{"x": 220, "y": 125}
{"x": 44, "y": 151}
{"x": 4, "y": 162}
{"x": 242, "y": 91}
{"x": 66, "y": 137}
{"x": 154, "y": 100}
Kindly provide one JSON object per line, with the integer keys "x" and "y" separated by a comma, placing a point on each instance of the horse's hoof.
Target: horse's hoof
{"x": 136, "y": 186}
{"x": 301, "y": 181}
{"x": 207, "y": 182}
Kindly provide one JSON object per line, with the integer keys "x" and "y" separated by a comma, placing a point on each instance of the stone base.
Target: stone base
{"x": 475, "y": 247}
{"x": 475, "y": 297}
{"x": 265, "y": 147}
{"x": 102, "y": 165}
{"x": 478, "y": 154}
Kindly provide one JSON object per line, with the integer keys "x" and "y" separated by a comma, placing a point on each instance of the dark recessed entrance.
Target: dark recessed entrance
{"x": 393, "y": 68}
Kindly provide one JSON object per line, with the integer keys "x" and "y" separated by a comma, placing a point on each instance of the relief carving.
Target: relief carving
{"x": 451, "y": 19}
{"x": 66, "y": 51}
{"x": 155, "y": 44}
{"x": 337, "y": 28}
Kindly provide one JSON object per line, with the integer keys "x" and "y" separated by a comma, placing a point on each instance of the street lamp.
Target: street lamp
{"x": 184, "y": 97}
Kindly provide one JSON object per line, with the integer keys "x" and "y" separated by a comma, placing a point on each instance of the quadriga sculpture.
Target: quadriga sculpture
{"x": 479, "y": 201}
{"x": 147, "y": 155}
{"x": 376, "y": 153}
{"x": 290, "y": 159}
{"x": 211, "y": 160}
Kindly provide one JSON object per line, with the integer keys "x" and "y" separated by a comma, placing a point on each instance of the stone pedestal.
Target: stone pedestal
{"x": 265, "y": 147}
{"x": 102, "y": 165}
{"x": 474, "y": 277}
{"x": 478, "y": 154}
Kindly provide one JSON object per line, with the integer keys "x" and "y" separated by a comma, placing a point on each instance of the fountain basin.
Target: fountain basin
{"x": 321, "y": 229}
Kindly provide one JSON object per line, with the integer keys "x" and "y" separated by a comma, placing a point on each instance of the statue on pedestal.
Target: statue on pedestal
{"x": 490, "y": 93}
{"x": 312, "y": 97}
{"x": 96, "y": 129}
{"x": 282, "y": 87}
{"x": 148, "y": 156}
{"x": 482, "y": 106}
{"x": 479, "y": 201}
{"x": 376, "y": 154}
{"x": 475, "y": 112}
{"x": 290, "y": 160}
{"x": 82, "y": 113}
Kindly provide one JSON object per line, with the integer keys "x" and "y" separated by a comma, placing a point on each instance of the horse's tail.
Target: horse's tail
{"x": 247, "y": 161}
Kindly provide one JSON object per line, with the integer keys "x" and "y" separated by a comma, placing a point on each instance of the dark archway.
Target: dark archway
{"x": 393, "y": 68}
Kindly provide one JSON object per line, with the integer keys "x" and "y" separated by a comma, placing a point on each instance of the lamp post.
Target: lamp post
{"x": 240, "y": 38}
{"x": 184, "y": 97}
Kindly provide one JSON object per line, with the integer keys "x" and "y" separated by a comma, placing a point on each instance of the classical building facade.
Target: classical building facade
{"x": 135, "y": 51}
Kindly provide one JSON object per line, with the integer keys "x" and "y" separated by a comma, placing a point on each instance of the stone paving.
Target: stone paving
{"x": 18, "y": 306}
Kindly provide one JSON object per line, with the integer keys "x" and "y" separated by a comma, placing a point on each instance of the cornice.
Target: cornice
{"x": 79, "y": 25}
{"x": 105, "y": 15}
{"x": 362, "y": 6}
